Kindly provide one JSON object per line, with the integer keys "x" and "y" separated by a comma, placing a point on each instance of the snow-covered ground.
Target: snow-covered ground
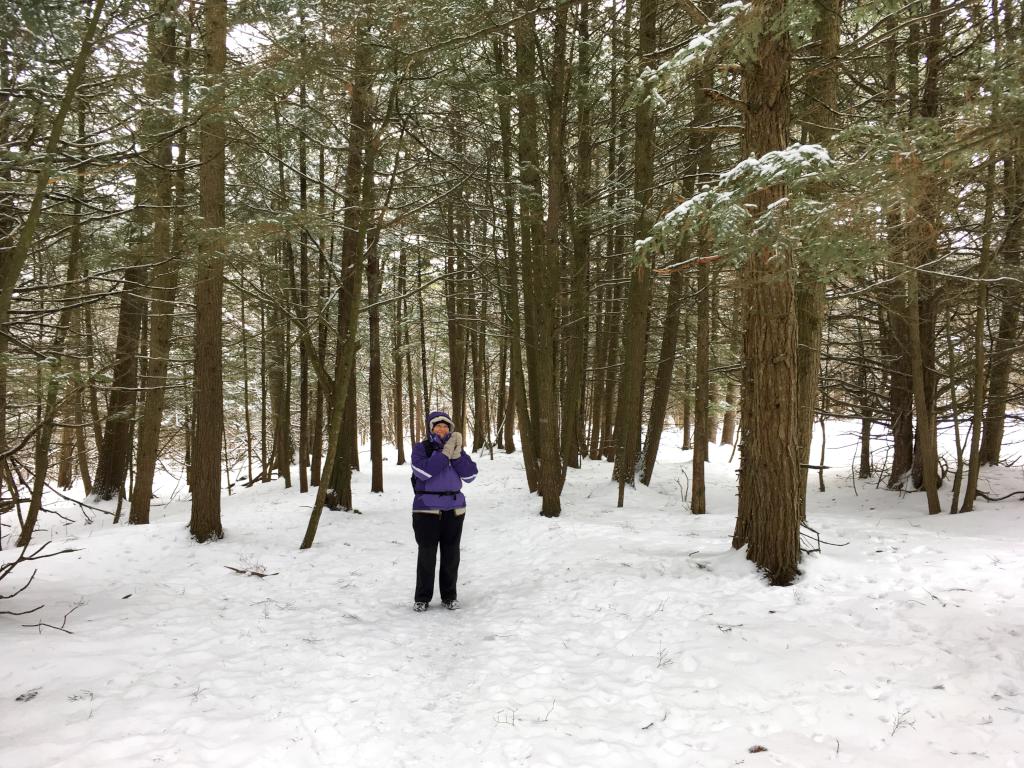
{"x": 606, "y": 637}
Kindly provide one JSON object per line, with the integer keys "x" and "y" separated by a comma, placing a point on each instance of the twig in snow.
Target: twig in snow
{"x": 506, "y": 717}
{"x": 61, "y": 628}
{"x": 548, "y": 714}
{"x": 7, "y": 568}
{"x": 18, "y": 592}
{"x": 664, "y": 660}
{"x": 251, "y": 571}
{"x": 902, "y": 720}
{"x": 816, "y": 539}
{"x": 684, "y": 491}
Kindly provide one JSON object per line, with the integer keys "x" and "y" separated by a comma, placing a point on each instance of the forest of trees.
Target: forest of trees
{"x": 238, "y": 240}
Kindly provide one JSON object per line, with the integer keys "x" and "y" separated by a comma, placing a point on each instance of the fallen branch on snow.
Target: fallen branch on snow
{"x": 61, "y": 628}
{"x": 8, "y": 568}
{"x": 816, "y": 538}
{"x": 986, "y": 497}
{"x": 251, "y": 571}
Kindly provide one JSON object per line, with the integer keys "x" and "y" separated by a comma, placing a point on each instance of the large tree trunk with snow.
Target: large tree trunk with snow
{"x": 768, "y": 522}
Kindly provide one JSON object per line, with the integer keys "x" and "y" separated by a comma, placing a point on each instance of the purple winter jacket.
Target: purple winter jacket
{"x": 438, "y": 480}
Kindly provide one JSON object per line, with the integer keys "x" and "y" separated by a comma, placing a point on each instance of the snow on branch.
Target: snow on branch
{"x": 722, "y": 210}
{"x": 706, "y": 41}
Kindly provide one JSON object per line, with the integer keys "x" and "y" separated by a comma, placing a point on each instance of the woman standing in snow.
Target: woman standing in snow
{"x": 439, "y": 467}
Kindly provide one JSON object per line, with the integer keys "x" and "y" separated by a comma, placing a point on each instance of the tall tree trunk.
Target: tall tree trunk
{"x": 284, "y": 281}
{"x": 246, "y": 396}
{"x": 358, "y": 177}
{"x": 923, "y": 226}
{"x": 398, "y": 419}
{"x": 316, "y": 463}
{"x": 277, "y": 378}
{"x": 358, "y": 199}
{"x": 478, "y": 358}
{"x": 732, "y": 392}
{"x": 700, "y": 147}
{"x": 688, "y": 385}
{"x": 981, "y": 300}
{"x": 615, "y": 243}
{"x": 457, "y": 347}
{"x": 160, "y": 90}
{"x": 575, "y": 324}
{"x": 532, "y": 245}
{"x": 422, "y": 325}
{"x": 503, "y": 410}
{"x": 598, "y": 376}
{"x": 613, "y": 364}
{"x": 769, "y": 515}
{"x": 205, "y": 521}
{"x": 865, "y": 406}
{"x": 512, "y": 301}
{"x": 265, "y": 458}
{"x": 544, "y": 264}
{"x": 925, "y": 415}
{"x": 823, "y": 91}
{"x": 701, "y": 404}
{"x": 376, "y": 396}
{"x": 303, "y": 302}
{"x": 75, "y": 433}
{"x": 732, "y": 385}
{"x": 901, "y": 392}
{"x": 414, "y": 420}
{"x": 630, "y": 400}
{"x": 116, "y": 449}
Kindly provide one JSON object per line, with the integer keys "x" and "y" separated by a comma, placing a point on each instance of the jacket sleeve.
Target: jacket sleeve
{"x": 466, "y": 467}
{"x": 423, "y": 467}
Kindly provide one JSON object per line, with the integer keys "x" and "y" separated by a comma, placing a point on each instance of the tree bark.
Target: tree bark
{"x": 575, "y": 325}
{"x": 630, "y": 395}
{"x": 398, "y": 418}
{"x": 303, "y": 302}
{"x": 701, "y": 404}
{"x": 358, "y": 176}
{"x": 373, "y": 279}
{"x": 769, "y": 516}
{"x": 160, "y": 90}
{"x": 205, "y": 521}
{"x": 544, "y": 263}
{"x": 700, "y": 147}
{"x": 923, "y": 226}
{"x": 820, "y": 125}
{"x": 116, "y": 449}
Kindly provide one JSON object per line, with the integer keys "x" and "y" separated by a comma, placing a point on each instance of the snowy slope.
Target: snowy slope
{"x": 603, "y": 638}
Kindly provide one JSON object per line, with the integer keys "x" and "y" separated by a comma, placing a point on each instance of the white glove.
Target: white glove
{"x": 453, "y": 448}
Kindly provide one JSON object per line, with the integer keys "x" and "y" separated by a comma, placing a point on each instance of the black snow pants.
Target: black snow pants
{"x": 444, "y": 530}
